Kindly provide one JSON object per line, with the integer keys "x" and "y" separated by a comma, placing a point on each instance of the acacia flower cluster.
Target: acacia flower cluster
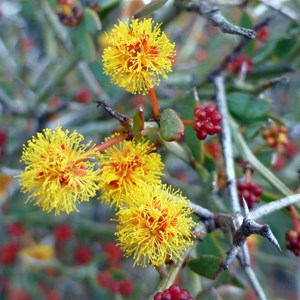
{"x": 154, "y": 221}
{"x": 138, "y": 53}
{"x": 58, "y": 173}
{"x": 155, "y": 225}
{"x": 127, "y": 165}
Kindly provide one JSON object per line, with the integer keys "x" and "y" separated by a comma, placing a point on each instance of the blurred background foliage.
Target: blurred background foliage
{"x": 51, "y": 71}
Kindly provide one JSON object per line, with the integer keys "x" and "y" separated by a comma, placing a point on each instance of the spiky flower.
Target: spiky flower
{"x": 127, "y": 165}
{"x": 138, "y": 53}
{"x": 155, "y": 225}
{"x": 57, "y": 173}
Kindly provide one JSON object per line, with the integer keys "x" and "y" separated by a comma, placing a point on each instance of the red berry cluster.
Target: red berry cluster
{"x": 263, "y": 34}
{"x": 208, "y": 121}
{"x": 237, "y": 63}
{"x": 70, "y": 18}
{"x": 276, "y": 137}
{"x": 174, "y": 292}
{"x": 125, "y": 286}
{"x": 250, "y": 191}
{"x": 293, "y": 241}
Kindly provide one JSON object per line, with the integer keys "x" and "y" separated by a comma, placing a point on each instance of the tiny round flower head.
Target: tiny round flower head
{"x": 57, "y": 174}
{"x": 126, "y": 165}
{"x": 155, "y": 225}
{"x": 138, "y": 53}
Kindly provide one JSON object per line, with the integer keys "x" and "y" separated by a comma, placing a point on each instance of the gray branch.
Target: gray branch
{"x": 201, "y": 211}
{"x": 215, "y": 17}
{"x": 227, "y": 143}
{"x": 274, "y": 206}
{"x": 238, "y": 246}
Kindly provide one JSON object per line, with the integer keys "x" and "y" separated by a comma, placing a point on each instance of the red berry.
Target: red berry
{"x": 126, "y": 287}
{"x": 114, "y": 286}
{"x": 113, "y": 252}
{"x": 63, "y": 233}
{"x": 208, "y": 128}
{"x": 8, "y": 253}
{"x": 104, "y": 279}
{"x": 209, "y": 109}
{"x": 201, "y": 135}
{"x": 15, "y": 229}
{"x": 236, "y": 64}
{"x": 83, "y": 255}
{"x": 213, "y": 148}
{"x": 158, "y": 296}
{"x": 174, "y": 292}
{"x": 216, "y": 117}
{"x": 263, "y": 34}
{"x": 293, "y": 241}
{"x": 199, "y": 113}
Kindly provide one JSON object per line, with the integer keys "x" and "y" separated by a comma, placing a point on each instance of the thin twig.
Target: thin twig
{"x": 201, "y": 211}
{"x": 215, "y": 17}
{"x": 271, "y": 207}
{"x": 245, "y": 262}
{"x": 227, "y": 143}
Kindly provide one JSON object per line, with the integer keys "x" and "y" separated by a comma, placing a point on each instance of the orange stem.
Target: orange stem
{"x": 295, "y": 218}
{"x": 112, "y": 141}
{"x": 188, "y": 122}
{"x": 155, "y": 105}
{"x": 248, "y": 174}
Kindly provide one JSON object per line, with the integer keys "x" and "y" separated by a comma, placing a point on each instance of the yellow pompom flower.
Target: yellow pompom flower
{"x": 57, "y": 173}
{"x": 155, "y": 225}
{"x": 138, "y": 53}
{"x": 126, "y": 165}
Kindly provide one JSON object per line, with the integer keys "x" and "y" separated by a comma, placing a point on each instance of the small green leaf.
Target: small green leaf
{"x": 252, "y": 130}
{"x": 171, "y": 127}
{"x": 91, "y": 20}
{"x": 206, "y": 265}
{"x": 247, "y": 108}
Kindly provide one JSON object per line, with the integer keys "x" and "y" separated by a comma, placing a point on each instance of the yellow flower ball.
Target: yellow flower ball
{"x": 57, "y": 173}
{"x": 137, "y": 54}
{"x": 155, "y": 225}
{"x": 127, "y": 165}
